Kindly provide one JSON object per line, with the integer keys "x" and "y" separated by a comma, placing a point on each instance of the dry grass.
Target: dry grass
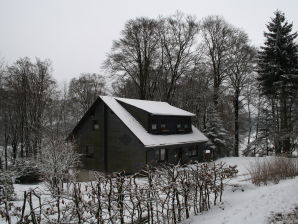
{"x": 273, "y": 170}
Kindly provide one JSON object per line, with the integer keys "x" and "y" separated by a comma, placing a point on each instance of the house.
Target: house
{"x": 119, "y": 134}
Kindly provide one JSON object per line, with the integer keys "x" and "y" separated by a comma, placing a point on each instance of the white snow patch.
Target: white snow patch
{"x": 155, "y": 107}
{"x": 246, "y": 203}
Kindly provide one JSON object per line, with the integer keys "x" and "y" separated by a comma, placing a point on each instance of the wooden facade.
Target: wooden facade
{"x": 107, "y": 144}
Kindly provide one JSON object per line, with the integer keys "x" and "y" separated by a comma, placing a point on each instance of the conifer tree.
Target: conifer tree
{"x": 278, "y": 76}
{"x": 219, "y": 139}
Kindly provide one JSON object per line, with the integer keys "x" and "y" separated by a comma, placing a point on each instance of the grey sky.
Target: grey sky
{"x": 76, "y": 35}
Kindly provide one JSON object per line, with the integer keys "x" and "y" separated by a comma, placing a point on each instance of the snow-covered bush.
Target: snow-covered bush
{"x": 57, "y": 163}
{"x": 27, "y": 171}
{"x": 6, "y": 185}
{"x": 167, "y": 194}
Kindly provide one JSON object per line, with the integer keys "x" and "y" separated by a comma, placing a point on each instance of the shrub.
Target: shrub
{"x": 6, "y": 185}
{"x": 27, "y": 171}
{"x": 58, "y": 162}
{"x": 273, "y": 170}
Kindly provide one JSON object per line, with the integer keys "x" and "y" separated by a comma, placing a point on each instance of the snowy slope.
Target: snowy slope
{"x": 248, "y": 204}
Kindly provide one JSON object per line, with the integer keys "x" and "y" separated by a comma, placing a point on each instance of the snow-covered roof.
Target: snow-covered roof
{"x": 150, "y": 140}
{"x": 156, "y": 107}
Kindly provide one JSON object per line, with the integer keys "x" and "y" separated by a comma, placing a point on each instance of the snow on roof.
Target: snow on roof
{"x": 150, "y": 140}
{"x": 156, "y": 107}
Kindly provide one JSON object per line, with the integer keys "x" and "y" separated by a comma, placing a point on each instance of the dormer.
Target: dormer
{"x": 169, "y": 124}
{"x": 158, "y": 118}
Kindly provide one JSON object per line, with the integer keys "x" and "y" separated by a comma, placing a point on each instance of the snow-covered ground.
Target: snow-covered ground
{"x": 244, "y": 202}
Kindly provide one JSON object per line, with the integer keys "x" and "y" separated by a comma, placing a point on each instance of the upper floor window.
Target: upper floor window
{"x": 95, "y": 126}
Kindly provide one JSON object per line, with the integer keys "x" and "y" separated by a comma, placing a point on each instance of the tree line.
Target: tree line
{"x": 33, "y": 108}
{"x": 208, "y": 66}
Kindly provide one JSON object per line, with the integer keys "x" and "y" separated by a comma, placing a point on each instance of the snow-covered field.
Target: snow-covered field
{"x": 244, "y": 202}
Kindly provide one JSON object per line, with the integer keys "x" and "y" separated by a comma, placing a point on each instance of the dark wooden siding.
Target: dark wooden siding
{"x": 179, "y": 153}
{"x": 125, "y": 151}
{"x": 140, "y": 115}
{"x": 115, "y": 147}
{"x": 86, "y": 136}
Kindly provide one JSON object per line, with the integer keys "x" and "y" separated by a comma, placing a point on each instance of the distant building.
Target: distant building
{"x": 126, "y": 134}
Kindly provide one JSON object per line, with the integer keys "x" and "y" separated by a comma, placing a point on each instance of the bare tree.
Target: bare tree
{"x": 135, "y": 55}
{"x": 217, "y": 42}
{"x": 83, "y": 92}
{"x": 29, "y": 86}
{"x": 178, "y": 35}
{"x": 241, "y": 56}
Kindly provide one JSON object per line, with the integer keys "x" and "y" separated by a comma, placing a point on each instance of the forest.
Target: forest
{"x": 243, "y": 97}
{"x": 245, "y": 100}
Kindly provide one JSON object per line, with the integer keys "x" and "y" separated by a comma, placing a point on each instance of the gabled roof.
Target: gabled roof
{"x": 150, "y": 140}
{"x": 155, "y": 107}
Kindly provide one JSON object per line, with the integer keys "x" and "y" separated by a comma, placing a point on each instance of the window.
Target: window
{"x": 178, "y": 126}
{"x": 162, "y": 155}
{"x": 186, "y": 126}
{"x": 95, "y": 126}
{"x": 157, "y": 154}
{"x": 88, "y": 151}
{"x": 154, "y": 126}
{"x": 163, "y": 126}
{"x": 193, "y": 151}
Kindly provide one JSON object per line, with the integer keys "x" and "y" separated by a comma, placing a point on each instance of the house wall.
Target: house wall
{"x": 86, "y": 136}
{"x": 140, "y": 115}
{"x": 123, "y": 150}
{"x": 178, "y": 153}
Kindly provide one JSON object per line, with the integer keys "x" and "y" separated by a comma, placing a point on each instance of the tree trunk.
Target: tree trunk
{"x": 285, "y": 142}
{"x": 236, "y": 122}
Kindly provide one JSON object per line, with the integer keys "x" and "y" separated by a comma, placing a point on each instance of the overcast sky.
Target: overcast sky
{"x": 76, "y": 35}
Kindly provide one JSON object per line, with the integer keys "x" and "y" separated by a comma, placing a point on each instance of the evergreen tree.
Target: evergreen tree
{"x": 278, "y": 76}
{"x": 219, "y": 139}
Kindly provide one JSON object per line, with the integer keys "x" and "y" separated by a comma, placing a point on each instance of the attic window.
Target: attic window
{"x": 95, "y": 126}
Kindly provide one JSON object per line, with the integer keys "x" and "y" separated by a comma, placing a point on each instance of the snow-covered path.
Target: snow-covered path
{"x": 246, "y": 203}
